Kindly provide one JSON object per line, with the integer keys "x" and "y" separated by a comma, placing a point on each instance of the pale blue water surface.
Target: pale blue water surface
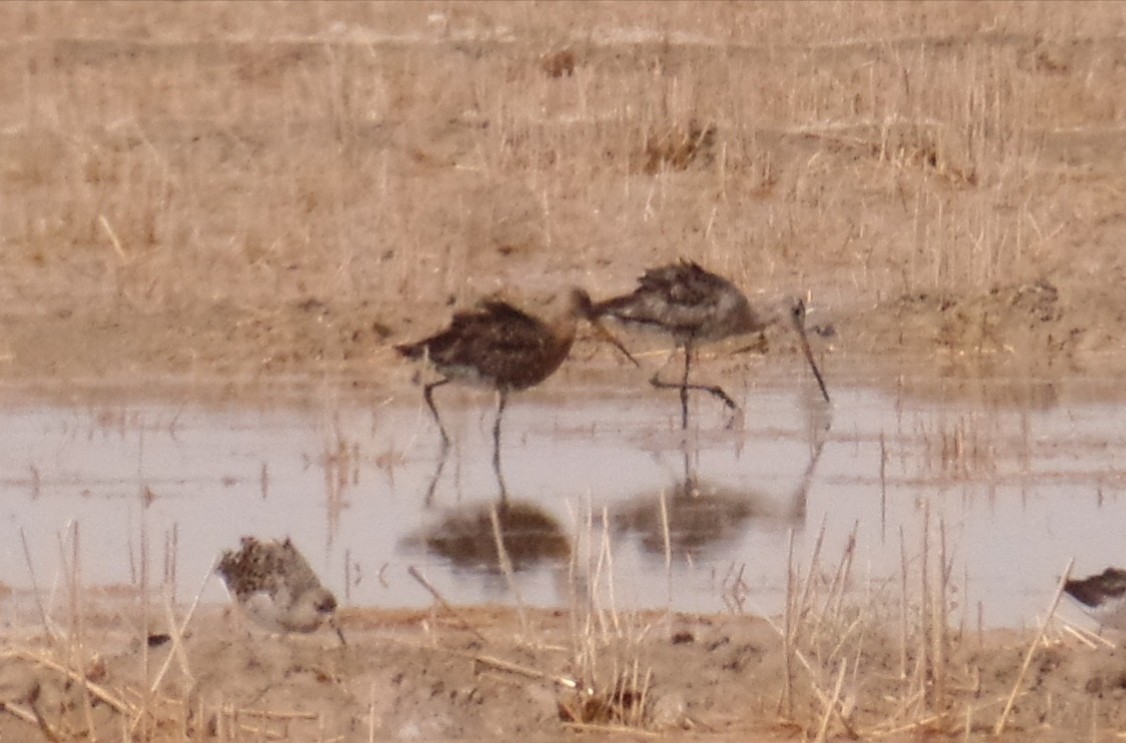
{"x": 1021, "y": 475}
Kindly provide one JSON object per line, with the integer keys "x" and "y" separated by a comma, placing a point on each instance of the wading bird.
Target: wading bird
{"x": 499, "y": 346}
{"x": 695, "y": 306}
{"x": 274, "y": 586}
{"x": 1103, "y": 596}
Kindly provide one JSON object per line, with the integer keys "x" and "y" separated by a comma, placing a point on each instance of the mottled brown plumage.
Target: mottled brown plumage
{"x": 1103, "y": 596}
{"x": 499, "y": 346}
{"x": 274, "y": 586}
{"x": 686, "y": 301}
{"x": 695, "y": 306}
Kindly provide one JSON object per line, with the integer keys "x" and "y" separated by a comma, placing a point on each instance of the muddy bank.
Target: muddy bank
{"x": 179, "y": 198}
{"x": 488, "y": 673}
{"x": 1037, "y": 332}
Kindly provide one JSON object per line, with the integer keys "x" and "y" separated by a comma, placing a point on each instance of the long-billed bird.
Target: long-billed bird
{"x": 696, "y": 306}
{"x": 499, "y": 346}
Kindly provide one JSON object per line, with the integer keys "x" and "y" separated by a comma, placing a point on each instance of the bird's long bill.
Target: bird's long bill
{"x": 809, "y": 357}
{"x": 607, "y": 336}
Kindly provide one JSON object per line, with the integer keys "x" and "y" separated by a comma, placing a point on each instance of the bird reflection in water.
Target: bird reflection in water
{"x": 468, "y": 538}
{"x": 702, "y": 515}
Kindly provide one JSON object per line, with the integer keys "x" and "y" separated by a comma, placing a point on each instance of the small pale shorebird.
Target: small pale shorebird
{"x": 696, "y": 306}
{"x": 274, "y": 586}
{"x": 1103, "y": 596}
{"x": 499, "y": 346}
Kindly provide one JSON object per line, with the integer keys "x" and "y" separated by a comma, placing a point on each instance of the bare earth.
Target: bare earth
{"x": 239, "y": 197}
{"x": 492, "y": 674}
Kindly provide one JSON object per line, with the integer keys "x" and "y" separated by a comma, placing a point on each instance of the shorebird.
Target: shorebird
{"x": 696, "y": 306}
{"x": 274, "y": 586}
{"x": 499, "y": 346}
{"x": 1103, "y": 596}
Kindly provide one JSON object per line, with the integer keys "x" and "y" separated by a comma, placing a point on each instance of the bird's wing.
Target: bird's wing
{"x": 294, "y": 571}
{"x": 464, "y": 324}
{"x": 678, "y": 298}
{"x": 682, "y": 284}
{"x": 256, "y": 568}
{"x": 494, "y": 331}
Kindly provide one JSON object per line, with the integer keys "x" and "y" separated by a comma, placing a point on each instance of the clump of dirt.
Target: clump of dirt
{"x": 680, "y": 147}
{"x": 1037, "y": 326}
{"x": 558, "y": 63}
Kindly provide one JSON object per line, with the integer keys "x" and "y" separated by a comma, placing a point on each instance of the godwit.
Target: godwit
{"x": 274, "y": 586}
{"x": 499, "y": 346}
{"x": 1103, "y": 596}
{"x": 695, "y": 306}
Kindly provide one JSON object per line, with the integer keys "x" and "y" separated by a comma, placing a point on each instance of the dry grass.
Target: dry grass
{"x": 245, "y": 187}
{"x": 608, "y": 656}
{"x": 873, "y": 661}
{"x": 165, "y": 165}
{"x": 849, "y": 657}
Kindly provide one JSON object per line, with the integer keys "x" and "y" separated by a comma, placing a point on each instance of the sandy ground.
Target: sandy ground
{"x": 497, "y": 674}
{"x": 245, "y": 196}
{"x": 183, "y": 196}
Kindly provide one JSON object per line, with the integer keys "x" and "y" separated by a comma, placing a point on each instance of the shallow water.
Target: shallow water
{"x": 1019, "y": 487}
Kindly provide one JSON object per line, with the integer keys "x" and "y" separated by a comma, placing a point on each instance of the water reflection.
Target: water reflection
{"x": 508, "y": 534}
{"x": 468, "y": 537}
{"x": 159, "y": 490}
{"x": 696, "y": 515}
{"x": 444, "y": 455}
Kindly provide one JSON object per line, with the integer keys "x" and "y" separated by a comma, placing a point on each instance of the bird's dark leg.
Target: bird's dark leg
{"x": 684, "y": 386}
{"x": 428, "y": 394}
{"x": 718, "y": 392}
{"x": 689, "y": 473}
{"x": 655, "y": 380}
{"x": 443, "y": 455}
{"x": 502, "y": 400}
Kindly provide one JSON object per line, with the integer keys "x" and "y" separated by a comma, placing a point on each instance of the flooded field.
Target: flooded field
{"x": 592, "y": 479}
{"x": 255, "y": 204}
